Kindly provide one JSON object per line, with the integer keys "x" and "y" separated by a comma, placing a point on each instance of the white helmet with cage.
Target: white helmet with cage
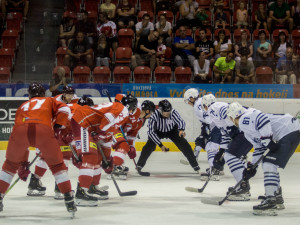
{"x": 207, "y": 100}
{"x": 190, "y": 93}
{"x": 235, "y": 110}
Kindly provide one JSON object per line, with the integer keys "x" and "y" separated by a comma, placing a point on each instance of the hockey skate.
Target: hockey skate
{"x": 83, "y": 198}
{"x": 1, "y": 203}
{"x": 240, "y": 194}
{"x": 57, "y": 194}
{"x": 267, "y": 207}
{"x": 119, "y": 172}
{"x": 214, "y": 177}
{"x": 279, "y": 199}
{"x": 69, "y": 202}
{"x": 100, "y": 194}
{"x": 35, "y": 187}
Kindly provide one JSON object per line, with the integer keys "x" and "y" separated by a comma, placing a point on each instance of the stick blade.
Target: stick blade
{"x": 128, "y": 193}
{"x": 145, "y": 174}
{"x": 212, "y": 201}
{"x": 192, "y": 189}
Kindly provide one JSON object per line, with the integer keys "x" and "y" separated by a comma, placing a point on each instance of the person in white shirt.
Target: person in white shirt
{"x": 144, "y": 28}
{"x": 201, "y": 69}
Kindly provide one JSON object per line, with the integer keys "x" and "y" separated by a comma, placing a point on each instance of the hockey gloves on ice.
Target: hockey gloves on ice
{"x": 24, "y": 171}
{"x": 108, "y": 167}
{"x": 249, "y": 172}
{"x": 219, "y": 161}
{"x": 132, "y": 152}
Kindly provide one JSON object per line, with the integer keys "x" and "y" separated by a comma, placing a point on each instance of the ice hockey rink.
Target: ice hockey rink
{"x": 161, "y": 198}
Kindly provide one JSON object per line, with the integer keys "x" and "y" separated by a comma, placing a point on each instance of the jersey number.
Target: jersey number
{"x": 246, "y": 121}
{"x": 38, "y": 104}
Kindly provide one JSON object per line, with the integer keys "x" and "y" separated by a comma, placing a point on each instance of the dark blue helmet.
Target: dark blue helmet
{"x": 148, "y": 105}
{"x": 68, "y": 90}
{"x": 36, "y": 90}
{"x": 130, "y": 102}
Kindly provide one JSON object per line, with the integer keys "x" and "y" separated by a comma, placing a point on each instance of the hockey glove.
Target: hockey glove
{"x": 132, "y": 152}
{"x": 219, "y": 161}
{"x": 201, "y": 141}
{"x": 108, "y": 167}
{"x": 24, "y": 171}
{"x": 249, "y": 172}
{"x": 68, "y": 138}
{"x": 76, "y": 162}
{"x": 269, "y": 143}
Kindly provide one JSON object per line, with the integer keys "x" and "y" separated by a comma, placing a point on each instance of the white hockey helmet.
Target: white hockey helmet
{"x": 235, "y": 110}
{"x": 190, "y": 93}
{"x": 207, "y": 100}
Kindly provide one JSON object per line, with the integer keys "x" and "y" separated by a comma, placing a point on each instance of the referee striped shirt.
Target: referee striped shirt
{"x": 159, "y": 123}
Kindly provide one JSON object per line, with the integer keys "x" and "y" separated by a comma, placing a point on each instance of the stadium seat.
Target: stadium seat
{"x": 4, "y": 74}
{"x": 60, "y": 54}
{"x": 197, "y": 34}
{"x": 142, "y": 12}
{"x": 10, "y": 39}
{"x": 296, "y": 40}
{"x": 123, "y": 56}
{"x": 67, "y": 70}
{"x": 146, "y": 5}
{"x": 81, "y": 74}
{"x": 255, "y": 34}
{"x": 73, "y": 5}
{"x": 101, "y": 74}
{"x": 237, "y": 35}
{"x": 162, "y": 74}
{"x": 93, "y": 16}
{"x": 14, "y": 21}
{"x": 125, "y": 37}
{"x": 142, "y": 74}
{"x": 169, "y": 16}
{"x": 168, "y": 57}
{"x": 276, "y": 32}
{"x": 121, "y": 74}
{"x": 204, "y": 3}
{"x": 264, "y": 75}
{"x": 183, "y": 74}
{"x": 91, "y": 5}
{"x": 7, "y": 57}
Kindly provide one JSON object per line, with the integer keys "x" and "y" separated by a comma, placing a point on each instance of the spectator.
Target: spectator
{"x": 79, "y": 51}
{"x": 146, "y": 51}
{"x": 202, "y": 16}
{"x": 201, "y": 69}
{"x": 60, "y": 81}
{"x": 8, "y": 6}
{"x": 222, "y": 44}
{"x": 87, "y": 27}
{"x": 109, "y": 8}
{"x": 284, "y": 70}
{"x": 243, "y": 47}
{"x": 279, "y": 47}
{"x": 280, "y": 15}
{"x": 109, "y": 29}
{"x": 160, "y": 53}
{"x": 262, "y": 50}
{"x": 206, "y": 46}
{"x": 221, "y": 18}
{"x": 295, "y": 66}
{"x": 184, "y": 46}
{"x": 102, "y": 52}
{"x": 66, "y": 31}
{"x": 164, "y": 29}
{"x": 244, "y": 71}
{"x": 162, "y": 5}
{"x": 223, "y": 68}
{"x": 261, "y": 17}
{"x": 242, "y": 15}
{"x": 217, "y": 3}
{"x": 144, "y": 28}
{"x": 187, "y": 15}
{"x": 126, "y": 14}
{"x": 295, "y": 13}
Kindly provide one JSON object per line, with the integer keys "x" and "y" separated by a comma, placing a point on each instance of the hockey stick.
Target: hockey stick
{"x": 74, "y": 153}
{"x": 128, "y": 193}
{"x": 200, "y": 190}
{"x": 16, "y": 181}
{"x": 220, "y": 202}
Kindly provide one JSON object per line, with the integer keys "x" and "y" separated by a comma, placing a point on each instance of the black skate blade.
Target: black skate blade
{"x": 145, "y": 174}
{"x": 184, "y": 162}
{"x": 192, "y": 189}
{"x": 212, "y": 200}
{"x": 128, "y": 193}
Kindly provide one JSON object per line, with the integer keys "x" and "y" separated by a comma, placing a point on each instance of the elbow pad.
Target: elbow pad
{"x": 117, "y": 139}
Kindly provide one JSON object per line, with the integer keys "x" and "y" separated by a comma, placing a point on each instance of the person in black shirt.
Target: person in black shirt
{"x": 166, "y": 122}
{"x": 205, "y": 45}
{"x": 146, "y": 50}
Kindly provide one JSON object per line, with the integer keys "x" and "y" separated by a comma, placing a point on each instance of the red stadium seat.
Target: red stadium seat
{"x": 73, "y": 5}
{"x": 146, "y": 5}
{"x": 296, "y": 40}
{"x": 169, "y": 16}
{"x": 142, "y": 74}
{"x": 91, "y": 5}
{"x": 183, "y": 74}
{"x": 142, "y": 12}
{"x": 4, "y": 74}
{"x": 125, "y": 37}
{"x": 10, "y": 39}
{"x": 276, "y": 32}
{"x": 93, "y": 16}
{"x": 67, "y": 70}
{"x": 168, "y": 57}
{"x": 162, "y": 74}
{"x": 264, "y": 75}
{"x": 237, "y": 35}
{"x": 101, "y": 74}
{"x": 204, "y": 3}
{"x": 197, "y": 34}
{"x": 14, "y": 21}
{"x": 60, "y": 54}
{"x": 121, "y": 74}
{"x": 81, "y": 74}
{"x": 255, "y": 34}
{"x": 7, "y": 57}
{"x": 123, "y": 56}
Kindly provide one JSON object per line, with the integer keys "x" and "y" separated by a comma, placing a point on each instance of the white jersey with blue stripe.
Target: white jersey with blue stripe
{"x": 218, "y": 114}
{"x": 201, "y": 114}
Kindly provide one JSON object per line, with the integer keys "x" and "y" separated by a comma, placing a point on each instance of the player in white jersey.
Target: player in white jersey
{"x": 233, "y": 143}
{"x": 280, "y": 134}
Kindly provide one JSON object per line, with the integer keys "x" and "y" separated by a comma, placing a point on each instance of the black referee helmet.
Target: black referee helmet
{"x": 165, "y": 106}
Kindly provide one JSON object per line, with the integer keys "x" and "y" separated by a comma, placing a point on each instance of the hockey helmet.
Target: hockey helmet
{"x": 119, "y": 97}
{"x": 190, "y": 93}
{"x": 130, "y": 102}
{"x": 235, "y": 110}
{"x": 165, "y": 106}
{"x": 148, "y": 105}
{"x": 36, "y": 90}
{"x": 68, "y": 90}
{"x": 85, "y": 100}
{"x": 208, "y": 100}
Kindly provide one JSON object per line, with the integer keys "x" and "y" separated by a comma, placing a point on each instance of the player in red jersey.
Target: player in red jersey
{"x": 33, "y": 127}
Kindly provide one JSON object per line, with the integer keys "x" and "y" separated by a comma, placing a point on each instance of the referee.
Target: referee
{"x": 166, "y": 122}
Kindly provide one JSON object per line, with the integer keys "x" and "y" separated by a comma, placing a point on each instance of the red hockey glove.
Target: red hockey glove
{"x": 24, "y": 171}
{"x": 68, "y": 138}
{"x": 76, "y": 162}
{"x": 108, "y": 167}
{"x": 132, "y": 152}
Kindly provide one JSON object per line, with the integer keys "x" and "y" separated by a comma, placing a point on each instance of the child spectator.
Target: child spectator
{"x": 66, "y": 31}
{"x": 160, "y": 53}
{"x": 102, "y": 52}
{"x": 261, "y": 17}
{"x": 221, "y": 18}
{"x": 242, "y": 15}
{"x": 202, "y": 16}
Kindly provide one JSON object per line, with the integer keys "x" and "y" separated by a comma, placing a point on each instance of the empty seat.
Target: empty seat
{"x": 60, "y": 54}
{"x": 7, "y": 57}
{"x": 4, "y": 74}
{"x": 264, "y": 75}
{"x": 10, "y": 39}
{"x": 67, "y": 71}
{"x": 14, "y": 21}
{"x": 146, "y": 5}
{"x": 91, "y": 5}
{"x": 81, "y": 74}
{"x": 121, "y": 74}
{"x": 162, "y": 74}
{"x": 183, "y": 74}
{"x": 142, "y": 74}
{"x": 168, "y": 57}
{"x": 125, "y": 37}
{"x": 101, "y": 74}
{"x": 123, "y": 56}
{"x": 204, "y": 3}
{"x": 296, "y": 40}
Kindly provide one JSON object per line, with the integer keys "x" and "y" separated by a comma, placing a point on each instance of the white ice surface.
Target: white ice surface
{"x": 161, "y": 198}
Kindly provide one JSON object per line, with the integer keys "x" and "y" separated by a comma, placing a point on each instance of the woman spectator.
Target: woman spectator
{"x": 261, "y": 17}
{"x": 164, "y": 29}
{"x": 201, "y": 69}
{"x": 222, "y": 44}
{"x": 187, "y": 14}
{"x": 102, "y": 52}
{"x": 109, "y": 8}
{"x": 262, "y": 50}
{"x": 243, "y": 47}
{"x": 66, "y": 31}
{"x": 279, "y": 47}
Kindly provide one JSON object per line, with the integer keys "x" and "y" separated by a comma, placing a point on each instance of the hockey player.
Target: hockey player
{"x": 280, "y": 134}
{"x": 33, "y": 127}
